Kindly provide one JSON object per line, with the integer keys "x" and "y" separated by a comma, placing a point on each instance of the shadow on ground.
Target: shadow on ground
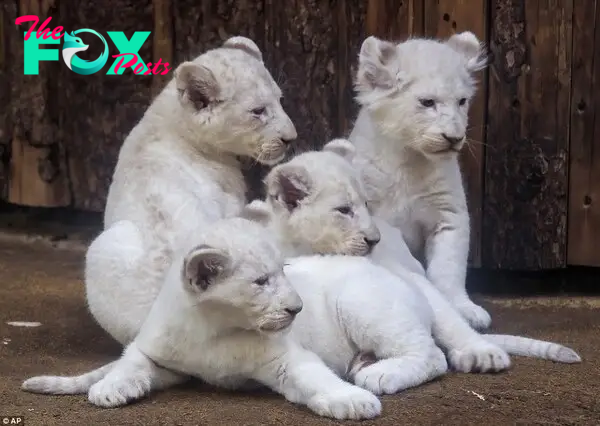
{"x": 42, "y": 284}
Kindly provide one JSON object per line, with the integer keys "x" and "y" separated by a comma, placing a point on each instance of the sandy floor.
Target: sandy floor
{"x": 43, "y": 284}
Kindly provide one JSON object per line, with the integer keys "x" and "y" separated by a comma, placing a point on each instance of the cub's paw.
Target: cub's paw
{"x": 114, "y": 392}
{"x": 479, "y": 357}
{"x": 476, "y": 316}
{"x": 438, "y": 363}
{"x": 381, "y": 378}
{"x": 348, "y": 403}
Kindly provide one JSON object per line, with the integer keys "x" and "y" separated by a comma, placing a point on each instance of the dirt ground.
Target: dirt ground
{"x": 44, "y": 284}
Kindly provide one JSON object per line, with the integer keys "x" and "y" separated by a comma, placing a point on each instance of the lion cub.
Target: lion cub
{"x": 379, "y": 306}
{"x": 414, "y": 99}
{"x": 178, "y": 171}
{"x": 223, "y": 315}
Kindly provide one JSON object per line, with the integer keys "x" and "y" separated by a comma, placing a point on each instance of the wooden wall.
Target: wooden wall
{"x": 532, "y": 168}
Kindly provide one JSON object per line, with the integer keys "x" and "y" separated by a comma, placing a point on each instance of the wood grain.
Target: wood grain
{"x": 162, "y": 42}
{"x": 8, "y": 14}
{"x": 98, "y": 111}
{"x": 394, "y": 19}
{"x": 203, "y": 25}
{"x": 351, "y": 33}
{"x": 38, "y": 172}
{"x": 525, "y": 204}
{"x": 584, "y": 156}
{"x": 302, "y": 52}
{"x": 444, "y": 18}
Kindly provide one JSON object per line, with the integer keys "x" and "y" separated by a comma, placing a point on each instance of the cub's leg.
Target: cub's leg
{"x": 404, "y": 354}
{"x": 446, "y": 252}
{"x": 119, "y": 286}
{"x": 468, "y": 351}
{"x": 133, "y": 376}
{"x": 302, "y": 378}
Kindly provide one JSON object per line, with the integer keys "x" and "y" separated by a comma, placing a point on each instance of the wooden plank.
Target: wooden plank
{"x": 525, "y": 203}
{"x": 351, "y": 33}
{"x": 442, "y": 19}
{"x": 98, "y": 111}
{"x": 8, "y": 14}
{"x": 395, "y": 20}
{"x": 302, "y": 51}
{"x": 162, "y": 42}
{"x": 38, "y": 173}
{"x": 203, "y": 25}
{"x": 584, "y": 154}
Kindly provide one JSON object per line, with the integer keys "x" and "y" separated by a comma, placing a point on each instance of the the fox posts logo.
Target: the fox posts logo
{"x": 72, "y": 44}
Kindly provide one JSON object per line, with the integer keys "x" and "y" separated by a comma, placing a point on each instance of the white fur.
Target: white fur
{"x": 222, "y": 316}
{"x": 373, "y": 326}
{"x": 178, "y": 172}
{"x": 346, "y": 299}
{"x": 411, "y": 95}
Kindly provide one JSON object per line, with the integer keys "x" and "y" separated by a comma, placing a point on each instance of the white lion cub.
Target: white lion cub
{"x": 356, "y": 308}
{"x": 178, "y": 172}
{"x": 415, "y": 99}
{"x": 222, "y": 316}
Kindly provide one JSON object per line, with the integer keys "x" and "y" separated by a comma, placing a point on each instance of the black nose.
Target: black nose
{"x": 453, "y": 139}
{"x": 371, "y": 242}
{"x": 294, "y": 310}
{"x": 287, "y": 141}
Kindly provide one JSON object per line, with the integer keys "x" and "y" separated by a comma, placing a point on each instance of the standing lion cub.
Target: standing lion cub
{"x": 415, "y": 99}
{"x": 178, "y": 172}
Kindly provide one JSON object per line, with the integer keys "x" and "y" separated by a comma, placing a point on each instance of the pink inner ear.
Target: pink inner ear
{"x": 292, "y": 194}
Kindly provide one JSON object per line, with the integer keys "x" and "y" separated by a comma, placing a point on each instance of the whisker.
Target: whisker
{"x": 473, "y": 154}
{"x": 469, "y": 140}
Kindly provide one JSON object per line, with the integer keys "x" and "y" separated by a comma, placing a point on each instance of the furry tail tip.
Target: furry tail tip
{"x": 53, "y": 385}
{"x": 65, "y": 385}
{"x": 567, "y": 355}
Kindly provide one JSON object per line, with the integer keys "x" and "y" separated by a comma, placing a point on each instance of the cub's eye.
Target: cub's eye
{"x": 462, "y": 101}
{"x": 258, "y": 111}
{"x": 262, "y": 280}
{"x": 427, "y": 103}
{"x": 344, "y": 210}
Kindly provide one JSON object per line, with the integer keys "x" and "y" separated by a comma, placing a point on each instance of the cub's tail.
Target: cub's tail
{"x": 66, "y": 385}
{"x": 524, "y": 346}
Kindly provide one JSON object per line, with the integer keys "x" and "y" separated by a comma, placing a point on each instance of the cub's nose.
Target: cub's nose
{"x": 372, "y": 242}
{"x": 454, "y": 140}
{"x": 294, "y": 310}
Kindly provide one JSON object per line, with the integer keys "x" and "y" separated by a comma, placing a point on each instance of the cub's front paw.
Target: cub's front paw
{"x": 351, "y": 402}
{"x": 479, "y": 357}
{"x": 476, "y": 316}
{"x": 114, "y": 392}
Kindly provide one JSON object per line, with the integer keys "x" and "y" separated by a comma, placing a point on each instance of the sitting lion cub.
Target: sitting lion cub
{"x": 222, "y": 316}
{"x": 414, "y": 99}
{"x": 177, "y": 172}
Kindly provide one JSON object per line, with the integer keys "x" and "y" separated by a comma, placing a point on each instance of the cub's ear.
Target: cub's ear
{"x": 245, "y": 44}
{"x": 202, "y": 265}
{"x": 467, "y": 44}
{"x": 288, "y": 184}
{"x": 196, "y": 85}
{"x": 375, "y": 65}
{"x": 341, "y": 147}
{"x": 257, "y": 211}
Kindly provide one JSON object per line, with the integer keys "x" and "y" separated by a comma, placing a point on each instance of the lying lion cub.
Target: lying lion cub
{"x": 221, "y": 316}
{"x": 354, "y": 307}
